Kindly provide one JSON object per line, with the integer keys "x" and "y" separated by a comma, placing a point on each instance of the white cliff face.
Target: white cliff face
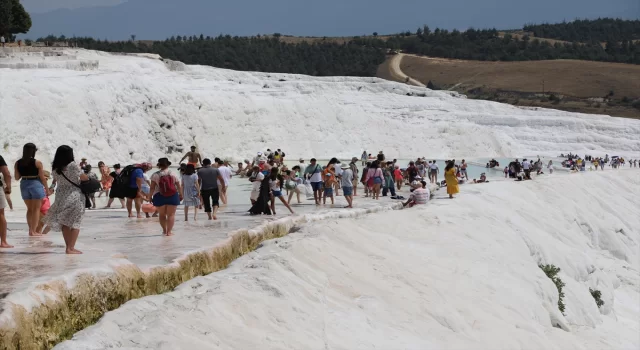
{"x": 130, "y": 108}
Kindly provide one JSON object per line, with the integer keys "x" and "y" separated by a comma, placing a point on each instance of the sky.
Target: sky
{"x": 158, "y": 19}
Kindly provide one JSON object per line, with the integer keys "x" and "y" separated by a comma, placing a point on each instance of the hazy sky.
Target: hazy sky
{"x": 158, "y": 19}
{"x": 36, "y": 6}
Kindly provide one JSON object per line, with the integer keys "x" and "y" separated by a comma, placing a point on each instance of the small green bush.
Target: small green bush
{"x": 552, "y": 272}
{"x": 596, "y": 296}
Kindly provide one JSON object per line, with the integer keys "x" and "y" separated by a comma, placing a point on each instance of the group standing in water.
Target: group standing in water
{"x": 203, "y": 184}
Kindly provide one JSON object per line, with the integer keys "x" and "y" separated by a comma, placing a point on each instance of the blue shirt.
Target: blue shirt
{"x": 136, "y": 174}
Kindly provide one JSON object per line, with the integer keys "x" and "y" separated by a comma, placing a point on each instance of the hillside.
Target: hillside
{"x": 571, "y": 85}
{"x": 598, "y": 30}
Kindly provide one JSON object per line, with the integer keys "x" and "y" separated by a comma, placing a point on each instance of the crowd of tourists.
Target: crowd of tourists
{"x": 198, "y": 184}
{"x": 203, "y": 184}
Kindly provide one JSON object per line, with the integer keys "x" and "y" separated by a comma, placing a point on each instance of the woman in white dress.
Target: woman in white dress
{"x": 67, "y": 211}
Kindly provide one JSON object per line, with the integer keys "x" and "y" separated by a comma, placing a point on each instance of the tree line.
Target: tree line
{"x": 362, "y": 55}
{"x": 13, "y": 19}
{"x": 488, "y": 45}
{"x": 265, "y": 54}
{"x": 589, "y": 31}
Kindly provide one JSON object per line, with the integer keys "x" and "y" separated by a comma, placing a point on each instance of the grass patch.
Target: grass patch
{"x": 552, "y": 272}
{"x": 596, "y": 296}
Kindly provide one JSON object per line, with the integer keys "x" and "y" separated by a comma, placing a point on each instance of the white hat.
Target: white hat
{"x": 259, "y": 153}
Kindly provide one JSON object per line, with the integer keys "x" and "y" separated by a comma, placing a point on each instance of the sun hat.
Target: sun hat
{"x": 163, "y": 162}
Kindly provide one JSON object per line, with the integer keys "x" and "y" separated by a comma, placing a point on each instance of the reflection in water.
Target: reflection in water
{"x": 109, "y": 234}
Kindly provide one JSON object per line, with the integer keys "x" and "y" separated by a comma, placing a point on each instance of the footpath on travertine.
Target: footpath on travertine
{"x": 108, "y": 234}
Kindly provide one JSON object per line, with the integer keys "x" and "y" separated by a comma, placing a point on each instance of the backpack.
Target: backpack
{"x": 413, "y": 172}
{"x": 167, "y": 185}
{"x": 124, "y": 178}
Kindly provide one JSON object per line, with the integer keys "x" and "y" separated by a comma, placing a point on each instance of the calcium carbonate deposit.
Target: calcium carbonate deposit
{"x": 454, "y": 274}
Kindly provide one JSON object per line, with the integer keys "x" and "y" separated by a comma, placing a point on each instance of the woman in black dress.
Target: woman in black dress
{"x": 116, "y": 190}
{"x": 261, "y": 205}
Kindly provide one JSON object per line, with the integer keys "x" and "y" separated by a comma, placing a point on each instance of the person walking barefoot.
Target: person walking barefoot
{"x": 190, "y": 192}
{"x": 208, "y": 179}
{"x": 346, "y": 180}
{"x": 5, "y": 192}
{"x": 67, "y": 211}
{"x": 450, "y": 178}
{"x": 116, "y": 189}
{"x": 276, "y": 191}
{"x": 32, "y": 185}
{"x": 166, "y": 195}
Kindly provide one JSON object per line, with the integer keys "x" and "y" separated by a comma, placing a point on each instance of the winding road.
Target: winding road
{"x": 398, "y": 75}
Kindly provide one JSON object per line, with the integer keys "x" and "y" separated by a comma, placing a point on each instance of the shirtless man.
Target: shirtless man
{"x": 194, "y": 158}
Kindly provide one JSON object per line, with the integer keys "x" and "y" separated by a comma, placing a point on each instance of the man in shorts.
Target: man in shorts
{"x": 354, "y": 173}
{"x": 208, "y": 178}
{"x": 5, "y": 191}
{"x": 463, "y": 169}
{"x": 193, "y": 157}
{"x": 314, "y": 174}
{"x": 347, "y": 182}
{"x": 433, "y": 172}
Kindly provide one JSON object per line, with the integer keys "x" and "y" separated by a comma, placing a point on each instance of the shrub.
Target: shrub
{"x": 636, "y": 104}
{"x": 552, "y": 272}
{"x": 625, "y": 99}
{"x": 596, "y": 296}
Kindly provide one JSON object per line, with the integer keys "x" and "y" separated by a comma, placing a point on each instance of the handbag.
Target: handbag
{"x": 87, "y": 187}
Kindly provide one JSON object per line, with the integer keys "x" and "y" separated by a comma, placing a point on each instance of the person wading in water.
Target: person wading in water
{"x": 194, "y": 158}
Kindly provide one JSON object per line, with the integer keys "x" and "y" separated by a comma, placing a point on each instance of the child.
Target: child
{"x": 397, "y": 175}
{"x": 329, "y": 181}
{"x": 550, "y": 167}
{"x": 506, "y": 172}
{"x": 44, "y": 207}
{"x": 191, "y": 191}
{"x": 276, "y": 192}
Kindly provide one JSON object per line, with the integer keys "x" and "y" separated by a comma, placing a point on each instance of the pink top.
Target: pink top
{"x": 373, "y": 173}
